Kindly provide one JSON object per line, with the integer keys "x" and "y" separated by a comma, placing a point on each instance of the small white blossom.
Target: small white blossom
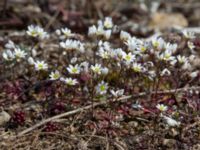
{"x": 128, "y": 57}
{"x": 40, "y": 65}
{"x": 8, "y": 55}
{"x": 104, "y": 71}
{"x": 19, "y": 53}
{"x": 194, "y": 74}
{"x": 165, "y": 72}
{"x": 137, "y": 67}
{"x": 186, "y": 66}
{"x": 92, "y": 30}
{"x": 166, "y": 56}
{"x": 31, "y": 61}
{"x": 54, "y": 75}
{"x": 67, "y": 32}
{"x": 158, "y": 43}
{"x": 117, "y": 93}
{"x": 69, "y": 81}
{"x": 102, "y": 88}
{"x": 108, "y": 23}
{"x": 85, "y": 66}
{"x": 161, "y": 107}
{"x": 74, "y": 69}
{"x": 132, "y": 44}
{"x": 96, "y": 68}
{"x": 107, "y": 34}
{"x": 171, "y": 122}
{"x": 72, "y": 45}
{"x": 191, "y": 46}
{"x": 103, "y": 53}
{"x": 171, "y": 47}
{"x": 189, "y": 35}
{"x": 36, "y": 31}
{"x": 10, "y": 45}
{"x": 124, "y": 36}
{"x": 182, "y": 59}
{"x": 74, "y": 60}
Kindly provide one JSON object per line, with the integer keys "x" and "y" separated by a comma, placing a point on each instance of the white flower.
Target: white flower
{"x": 166, "y": 56}
{"x": 74, "y": 60}
{"x": 92, "y": 30}
{"x": 103, "y": 53}
{"x": 190, "y": 45}
{"x": 40, "y": 65}
{"x": 54, "y": 75}
{"x": 132, "y": 44}
{"x": 10, "y": 45}
{"x": 165, "y": 72}
{"x": 72, "y": 45}
{"x": 137, "y": 67}
{"x": 128, "y": 57}
{"x": 104, "y": 45}
{"x": 107, "y": 34}
{"x": 19, "y": 53}
{"x": 31, "y": 61}
{"x": 117, "y": 93}
{"x": 100, "y": 31}
{"x": 58, "y": 32}
{"x": 108, "y": 23}
{"x": 67, "y": 32}
{"x": 8, "y": 55}
{"x": 171, "y": 122}
{"x": 171, "y": 47}
{"x": 182, "y": 59}
{"x": 104, "y": 71}
{"x": 186, "y": 66}
{"x": 85, "y": 66}
{"x": 69, "y": 81}
{"x": 189, "y": 35}
{"x": 124, "y": 36}
{"x": 158, "y": 43}
{"x": 102, "y": 88}
{"x": 151, "y": 74}
{"x": 74, "y": 69}
{"x": 161, "y": 107}
{"x": 194, "y": 74}
{"x": 36, "y": 31}
{"x": 142, "y": 47}
{"x": 96, "y": 68}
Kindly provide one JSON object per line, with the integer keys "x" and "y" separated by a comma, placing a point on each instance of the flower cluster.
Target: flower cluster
{"x": 101, "y": 68}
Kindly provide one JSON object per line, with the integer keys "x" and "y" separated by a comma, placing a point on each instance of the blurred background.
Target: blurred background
{"x": 139, "y": 17}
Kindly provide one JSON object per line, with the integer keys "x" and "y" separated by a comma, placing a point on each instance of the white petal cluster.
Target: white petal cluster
{"x": 101, "y": 88}
{"x": 17, "y": 54}
{"x": 117, "y": 93}
{"x": 69, "y": 81}
{"x": 8, "y": 55}
{"x": 73, "y": 45}
{"x": 54, "y": 75}
{"x": 124, "y": 36}
{"x": 74, "y": 69}
{"x": 103, "y": 29}
{"x": 40, "y": 65}
{"x": 64, "y": 33}
{"x": 128, "y": 57}
{"x": 96, "y": 68}
{"x": 158, "y": 43}
{"x": 137, "y": 67}
{"x": 189, "y": 35}
{"x": 171, "y": 122}
{"x": 161, "y": 107}
{"x": 36, "y": 31}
